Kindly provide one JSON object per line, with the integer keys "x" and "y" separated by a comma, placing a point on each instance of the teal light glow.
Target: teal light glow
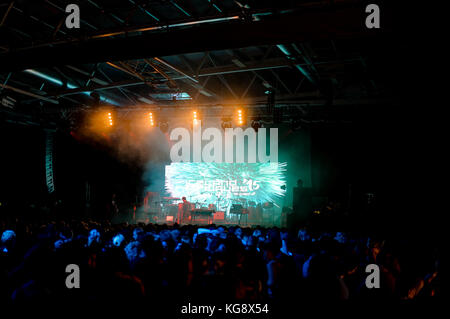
{"x": 69, "y": 85}
{"x": 169, "y": 96}
{"x": 44, "y": 76}
{"x": 223, "y": 183}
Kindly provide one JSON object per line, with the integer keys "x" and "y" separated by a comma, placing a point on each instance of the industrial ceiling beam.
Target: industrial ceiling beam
{"x": 255, "y": 74}
{"x": 276, "y": 76}
{"x": 38, "y": 20}
{"x": 222, "y": 78}
{"x": 126, "y": 69}
{"x": 175, "y": 69}
{"x": 101, "y": 82}
{"x": 170, "y": 83}
{"x": 36, "y": 96}
{"x": 8, "y": 10}
{"x": 93, "y": 79}
{"x": 112, "y": 16}
{"x": 288, "y": 28}
{"x": 121, "y": 89}
{"x": 250, "y": 66}
{"x": 176, "y": 5}
{"x": 207, "y": 72}
{"x": 96, "y": 87}
{"x": 201, "y": 88}
{"x": 145, "y": 10}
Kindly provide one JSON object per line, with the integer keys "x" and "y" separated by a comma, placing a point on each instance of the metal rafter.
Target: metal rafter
{"x": 120, "y": 88}
{"x": 255, "y": 74}
{"x": 201, "y": 88}
{"x": 127, "y": 69}
{"x": 226, "y": 35}
{"x": 38, "y": 20}
{"x": 6, "y": 81}
{"x": 222, "y": 78}
{"x": 170, "y": 83}
{"x": 281, "y": 81}
{"x": 301, "y": 50}
{"x": 203, "y": 85}
{"x": 176, "y": 5}
{"x": 299, "y": 85}
{"x": 176, "y": 69}
{"x": 244, "y": 94}
{"x": 36, "y": 96}
{"x": 202, "y": 62}
{"x": 8, "y": 10}
{"x": 215, "y": 6}
{"x": 112, "y": 16}
{"x": 91, "y": 76}
{"x": 101, "y": 82}
{"x": 268, "y": 64}
{"x": 145, "y": 10}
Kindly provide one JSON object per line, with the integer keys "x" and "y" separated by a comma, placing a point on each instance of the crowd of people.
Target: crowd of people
{"x": 160, "y": 262}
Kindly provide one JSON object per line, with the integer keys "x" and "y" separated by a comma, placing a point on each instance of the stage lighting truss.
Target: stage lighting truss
{"x": 110, "y": 119}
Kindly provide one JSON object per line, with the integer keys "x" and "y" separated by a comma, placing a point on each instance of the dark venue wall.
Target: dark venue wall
{"x": 88, "y": 173}
{"x": 21, "y": 170}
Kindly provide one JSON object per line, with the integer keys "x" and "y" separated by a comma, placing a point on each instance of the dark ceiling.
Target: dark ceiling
{"x": 313, "y": 59}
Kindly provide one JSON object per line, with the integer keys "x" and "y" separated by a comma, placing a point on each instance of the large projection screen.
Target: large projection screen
{"x": 223, "y": 184}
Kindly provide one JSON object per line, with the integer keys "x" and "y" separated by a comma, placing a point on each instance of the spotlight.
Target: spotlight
{"x": 151, "y": 119}
{"x": 110, "y": 120}
{"x": 240, "y": 117}
{"x": 194, "y": 115}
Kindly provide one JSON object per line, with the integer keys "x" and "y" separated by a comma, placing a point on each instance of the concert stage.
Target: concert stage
{"x": 171, "y": 210}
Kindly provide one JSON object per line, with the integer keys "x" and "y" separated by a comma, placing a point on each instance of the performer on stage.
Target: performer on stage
{"x": 184, "y": 209}
{"x": 113, "y": 207}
